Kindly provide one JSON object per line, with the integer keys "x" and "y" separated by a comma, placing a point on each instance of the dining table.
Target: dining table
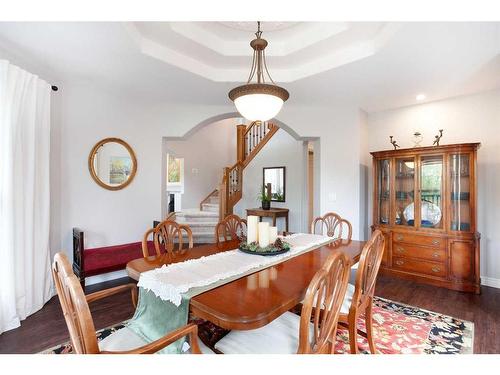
{"x": 254, "y": 300}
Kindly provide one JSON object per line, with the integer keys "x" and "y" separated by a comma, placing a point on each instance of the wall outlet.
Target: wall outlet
{"x": 194, "y": 170}
{"x": 332, "y": 197}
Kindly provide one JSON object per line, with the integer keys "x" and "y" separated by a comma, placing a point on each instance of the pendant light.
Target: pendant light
{"x": 259, "y": 101}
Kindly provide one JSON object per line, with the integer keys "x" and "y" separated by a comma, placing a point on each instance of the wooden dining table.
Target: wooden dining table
{"x": 254, "y": 300}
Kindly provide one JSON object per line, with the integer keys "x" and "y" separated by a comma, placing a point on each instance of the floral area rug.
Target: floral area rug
{"x": 404, "y": 329}
{"x": 398, "y": 329}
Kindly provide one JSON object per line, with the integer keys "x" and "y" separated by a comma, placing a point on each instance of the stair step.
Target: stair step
{"x": 210, "y": 207}
{"x": 197, "y": 216}
{"x": 203, "y": 231}
{"x": 199, "y": 224}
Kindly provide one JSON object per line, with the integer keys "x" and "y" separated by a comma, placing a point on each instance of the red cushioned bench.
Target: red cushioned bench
{"x": 91, "y": 262}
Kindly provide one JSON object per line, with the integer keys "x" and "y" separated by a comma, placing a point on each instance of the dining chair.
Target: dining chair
{"x": 313, "y": 332}
{"x": 332, "y": 225}
{"x": 359, "y": 297}
{"x": 164, "y": 236}
{"x": 230, "y": 228}
{"x": 75, "y": 307}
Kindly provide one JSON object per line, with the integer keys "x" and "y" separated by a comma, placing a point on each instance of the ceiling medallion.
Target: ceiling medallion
{"x": 259, "y": 101}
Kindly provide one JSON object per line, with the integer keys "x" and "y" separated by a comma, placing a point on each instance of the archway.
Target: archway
{"x": 294, "y": 153}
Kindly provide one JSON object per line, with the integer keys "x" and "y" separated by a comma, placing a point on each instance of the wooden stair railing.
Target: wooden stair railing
{"x": 250, "y": 140}
{"x": 254, "y": 138}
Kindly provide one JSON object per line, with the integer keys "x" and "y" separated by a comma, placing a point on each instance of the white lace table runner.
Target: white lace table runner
{"x": 170, "y": 281}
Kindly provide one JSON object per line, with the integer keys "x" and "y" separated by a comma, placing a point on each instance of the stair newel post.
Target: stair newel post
{"x": 222, "y": 199}
{"x": 240, "y": 143}
{"x": 229, "y": 192}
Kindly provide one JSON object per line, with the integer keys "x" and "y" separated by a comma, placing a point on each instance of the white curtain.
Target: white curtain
{"x": 25, "y": 278}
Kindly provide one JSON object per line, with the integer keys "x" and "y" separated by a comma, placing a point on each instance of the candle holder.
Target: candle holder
{"x": 278, "y": 247}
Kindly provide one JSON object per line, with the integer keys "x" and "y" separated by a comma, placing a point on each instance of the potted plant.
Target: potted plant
{"x": 265, "y": 198}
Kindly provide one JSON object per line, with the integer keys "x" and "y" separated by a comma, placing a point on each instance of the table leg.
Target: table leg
{"x": 286, "y": 222}
{"x": 260, "y": 218}
{"x": 274, "y": 220}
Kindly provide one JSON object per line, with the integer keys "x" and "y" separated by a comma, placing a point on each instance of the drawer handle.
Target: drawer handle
{"x": 400, "y": 262}
{"x": 436, "y": 242}
{"x": 400, "y": 250}
{"x": 399, "y": 237}
{"x": 436, "y": 269}
{"x": 435, "y": 255}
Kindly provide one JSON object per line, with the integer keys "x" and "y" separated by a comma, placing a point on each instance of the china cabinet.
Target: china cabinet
{"x": 425, "y": 205}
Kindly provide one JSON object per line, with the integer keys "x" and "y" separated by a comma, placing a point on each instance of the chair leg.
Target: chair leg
{"x": 353, "y": 333}
{"x": 369, "y": 327}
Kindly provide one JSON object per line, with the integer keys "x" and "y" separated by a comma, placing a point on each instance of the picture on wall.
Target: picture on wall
{"x": 119, "y": 169}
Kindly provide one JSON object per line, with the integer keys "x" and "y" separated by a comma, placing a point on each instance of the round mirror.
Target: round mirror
{"x": 112, "y": 164}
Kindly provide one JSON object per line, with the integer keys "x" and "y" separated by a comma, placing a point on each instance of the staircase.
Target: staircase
{"x": 202, "y": 221}
{"x": 250, "y": 140}
{"x": 220, "y": 202}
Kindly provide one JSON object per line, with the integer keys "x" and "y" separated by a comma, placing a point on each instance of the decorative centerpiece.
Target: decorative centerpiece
{"x": 278, "y": 247}
{"x": 262, "y": 239}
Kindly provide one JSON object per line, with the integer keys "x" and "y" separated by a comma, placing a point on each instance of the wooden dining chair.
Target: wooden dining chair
{"x": 164, "y": 236}
{"x": 359, "y": 297}
{"x": 75, "y": 306}
{"x": 313, "y": 332}
{"x": 332, "y": 225}
{"x": 231, "y": 228}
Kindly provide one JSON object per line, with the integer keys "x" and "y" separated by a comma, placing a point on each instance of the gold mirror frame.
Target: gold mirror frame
{"x": 92, "y": 154}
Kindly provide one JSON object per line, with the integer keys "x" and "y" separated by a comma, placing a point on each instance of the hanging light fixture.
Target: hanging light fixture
{"x": 259, "y": 101}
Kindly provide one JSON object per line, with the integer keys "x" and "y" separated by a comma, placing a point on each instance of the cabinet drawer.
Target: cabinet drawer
{"x": 412, "y": 251}
{"x": 419, "y": 266}
{"x": 421, "y": 240}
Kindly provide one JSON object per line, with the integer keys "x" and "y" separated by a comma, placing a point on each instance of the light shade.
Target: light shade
{"x": 260, "y": 101}
{"x": 258, "y": 107}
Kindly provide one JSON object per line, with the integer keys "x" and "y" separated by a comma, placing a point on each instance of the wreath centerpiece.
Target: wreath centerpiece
{"x": 278, "y": 247}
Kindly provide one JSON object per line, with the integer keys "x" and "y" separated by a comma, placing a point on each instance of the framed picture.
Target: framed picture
{"x": 120, "y": 168}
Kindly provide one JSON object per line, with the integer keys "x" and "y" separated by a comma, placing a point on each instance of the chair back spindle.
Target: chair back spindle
{"x": 75, "y": 307}
{"x": 322, "y": 304}
{"x": 332, "y": 225}
{"x": 164, "y": 236}
{"x": 231, "y": 228}
{"x": 369, "y": 264}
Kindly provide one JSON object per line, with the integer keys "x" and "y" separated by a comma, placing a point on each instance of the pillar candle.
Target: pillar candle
{"x": 252, "y": 229}
{"x": 263, "y": 234}
{"x": 273, "y": 234}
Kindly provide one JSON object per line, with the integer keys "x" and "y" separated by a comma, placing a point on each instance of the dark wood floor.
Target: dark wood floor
{"x": 47, "y": 328}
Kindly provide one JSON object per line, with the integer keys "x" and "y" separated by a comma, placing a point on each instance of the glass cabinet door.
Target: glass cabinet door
{"x": 404, "y": 184}
{"x": 460, "y": 192}
{"x": 431, "y": 191}
{"x": 384, "y": 191}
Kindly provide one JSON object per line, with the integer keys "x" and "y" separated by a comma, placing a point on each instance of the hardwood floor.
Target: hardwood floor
{"x": 47, "y": 328}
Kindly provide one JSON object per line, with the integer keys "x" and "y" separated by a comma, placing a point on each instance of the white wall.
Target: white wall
{"x": 83, "y": 115}
{"x": 208, "y": 151}
{"x": 338, "y": 130}
{"x": 474, "y": 118}
{"x": 281, "y": 150}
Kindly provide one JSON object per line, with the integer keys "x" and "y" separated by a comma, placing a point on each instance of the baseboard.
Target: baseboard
{"x": 105, "y": 277}
{"x": 490, "y": 281}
